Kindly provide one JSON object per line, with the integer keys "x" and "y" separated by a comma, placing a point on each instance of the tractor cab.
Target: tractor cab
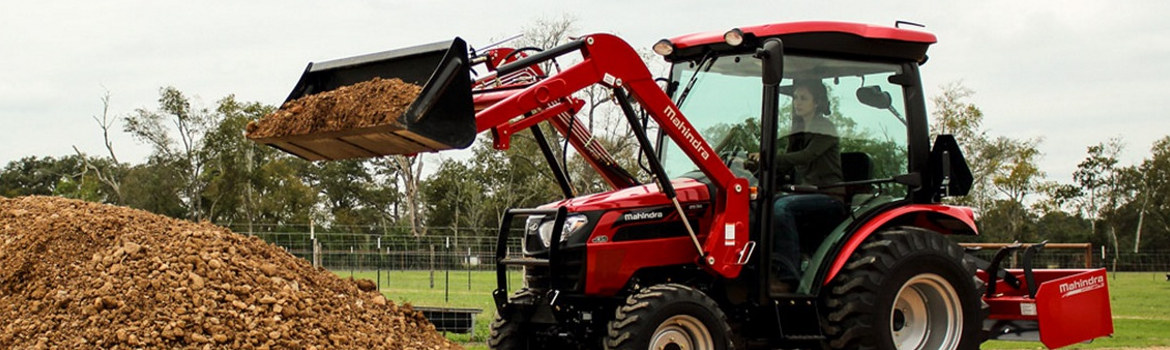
{"x": 721, "y": 97}
{"x": 872, "y": 124}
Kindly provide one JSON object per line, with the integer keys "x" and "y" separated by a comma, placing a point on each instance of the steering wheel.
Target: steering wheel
{"x": 736, "y": 159}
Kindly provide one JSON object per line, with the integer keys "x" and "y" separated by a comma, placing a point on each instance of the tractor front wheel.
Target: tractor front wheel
{"x": 905, "y": 288}
{"x": 669, "y": 316}
{"x": 506, "y": 332}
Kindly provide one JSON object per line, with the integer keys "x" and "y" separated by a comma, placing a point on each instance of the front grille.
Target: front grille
{"x": 570, "y": 271}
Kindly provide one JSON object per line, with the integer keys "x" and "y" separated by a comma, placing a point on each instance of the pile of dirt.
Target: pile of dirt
{"x": 369, "y": 103}
{"x": 78, "y": 275}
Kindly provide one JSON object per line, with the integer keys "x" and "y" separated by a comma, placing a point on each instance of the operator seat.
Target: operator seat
{"x": 856, "y": 166}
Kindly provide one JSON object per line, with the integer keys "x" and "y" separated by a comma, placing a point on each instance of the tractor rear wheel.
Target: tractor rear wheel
{"x": 905, "y": 288}
{"x": 669, "y": 316}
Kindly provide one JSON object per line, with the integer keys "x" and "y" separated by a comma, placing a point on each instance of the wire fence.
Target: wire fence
{"x": 440, "y": 249}
{"x": 474, "y": 249}
{"x": 1081, "y": 256}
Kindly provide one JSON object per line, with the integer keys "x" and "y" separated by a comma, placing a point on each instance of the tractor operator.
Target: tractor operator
{"x": 812, "y": 157}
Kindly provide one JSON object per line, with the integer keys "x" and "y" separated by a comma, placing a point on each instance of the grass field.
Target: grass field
{"x": 464, "y": 290}
{"x": 1140, "y": 302}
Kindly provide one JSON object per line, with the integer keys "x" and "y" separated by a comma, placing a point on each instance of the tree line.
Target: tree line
{"x": 202, "y": 168}
{"x": 1110, "y": 204}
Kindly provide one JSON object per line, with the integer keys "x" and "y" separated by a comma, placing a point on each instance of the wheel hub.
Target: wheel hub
{"x": 926, "y": 314}
{"x": 899, "y": 320}
{"x": 682, "y": 332}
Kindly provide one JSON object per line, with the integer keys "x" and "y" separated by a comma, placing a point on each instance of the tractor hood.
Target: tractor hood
{"x": 689, "y": 191}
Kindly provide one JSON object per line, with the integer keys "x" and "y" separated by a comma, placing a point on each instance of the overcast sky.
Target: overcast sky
{"x": 1073, "y": 73}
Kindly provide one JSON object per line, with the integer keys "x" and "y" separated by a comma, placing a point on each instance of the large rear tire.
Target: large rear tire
{"x": 905, "y": 288}
{"x": 669, "y": 316}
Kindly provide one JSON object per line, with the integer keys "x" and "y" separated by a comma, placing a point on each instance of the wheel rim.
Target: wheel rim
{"x": 927, "y": 314}
{"x": 682, "y": 332}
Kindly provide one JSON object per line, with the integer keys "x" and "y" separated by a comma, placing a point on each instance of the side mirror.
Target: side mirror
{"x": 771, "y": 53}
{"x": 873, "y": 96}
{"x": 949, "y": 174}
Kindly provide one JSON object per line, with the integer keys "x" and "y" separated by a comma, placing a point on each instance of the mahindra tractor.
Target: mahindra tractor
{"x": 683, "y": 257}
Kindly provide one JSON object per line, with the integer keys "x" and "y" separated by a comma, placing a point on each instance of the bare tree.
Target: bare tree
{"x": 409, "y": 170}
{"x": 186, "y": 153}
{"x": 1098, "y": 176}
{"x": 109, "y": 177}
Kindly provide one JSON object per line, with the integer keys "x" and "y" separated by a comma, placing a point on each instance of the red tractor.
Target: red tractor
{"x": 685, "y": 261}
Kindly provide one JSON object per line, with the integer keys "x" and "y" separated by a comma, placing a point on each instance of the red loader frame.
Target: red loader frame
{"x": 611, "y": 62}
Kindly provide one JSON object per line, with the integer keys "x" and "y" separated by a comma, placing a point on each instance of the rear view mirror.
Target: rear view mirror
{"x": 873, "y": 96}
{"x": 949, "y": 174}
{"x": 772, "y": 55}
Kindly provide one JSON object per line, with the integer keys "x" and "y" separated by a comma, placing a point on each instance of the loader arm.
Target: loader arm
{"x": 561, "y": 115}
{"x": 611, "y": 62}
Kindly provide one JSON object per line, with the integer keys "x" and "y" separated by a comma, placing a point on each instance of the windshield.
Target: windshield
{"x": 863, "y": 116}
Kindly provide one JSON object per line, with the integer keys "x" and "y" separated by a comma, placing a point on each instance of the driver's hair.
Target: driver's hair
{"x": 819, "y": 93}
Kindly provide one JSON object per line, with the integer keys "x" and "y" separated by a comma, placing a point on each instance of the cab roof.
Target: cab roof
{"x": 842, "y": 38}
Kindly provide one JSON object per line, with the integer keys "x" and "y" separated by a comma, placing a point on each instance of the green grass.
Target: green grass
{"x": 1140, "y": 303}
{"x": 415, "y": 287}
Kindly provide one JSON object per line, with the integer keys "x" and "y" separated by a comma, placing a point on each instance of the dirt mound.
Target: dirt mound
{"x": 75, "y": 275}
{"x": 369, "y": 103}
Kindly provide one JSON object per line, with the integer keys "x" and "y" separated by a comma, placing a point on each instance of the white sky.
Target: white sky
{"x": 1074, "y": 73}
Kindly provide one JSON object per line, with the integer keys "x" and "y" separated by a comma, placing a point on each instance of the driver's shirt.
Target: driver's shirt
{"x": 813, "y": 154}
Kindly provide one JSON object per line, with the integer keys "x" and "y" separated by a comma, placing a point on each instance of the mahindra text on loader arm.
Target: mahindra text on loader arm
{"x": 682, "y": 260}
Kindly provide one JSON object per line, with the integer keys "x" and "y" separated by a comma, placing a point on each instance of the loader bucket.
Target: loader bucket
{"x": 441, "y": 117}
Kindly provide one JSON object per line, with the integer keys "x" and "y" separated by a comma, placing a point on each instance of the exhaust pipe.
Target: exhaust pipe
{"x": 441, "y": 117}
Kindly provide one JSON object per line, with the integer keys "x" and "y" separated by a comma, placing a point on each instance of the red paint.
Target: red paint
{"x": 611, "y": 264}
{"x": 776, "y": 29}
{"x": 608, "y": 60}
{"x": 1072, "y": 305}
{"x": 963, "y": 214}
{"x": 641, "y": 196}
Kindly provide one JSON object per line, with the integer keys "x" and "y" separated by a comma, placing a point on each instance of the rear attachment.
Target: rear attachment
{"x": 1057, "y": 307}
{"x": 316, "y": 125}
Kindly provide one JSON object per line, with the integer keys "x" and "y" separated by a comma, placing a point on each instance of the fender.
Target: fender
{"x": 945, "y": 219}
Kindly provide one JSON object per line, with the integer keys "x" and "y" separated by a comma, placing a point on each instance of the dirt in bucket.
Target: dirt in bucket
{"x": 370, "y": 103}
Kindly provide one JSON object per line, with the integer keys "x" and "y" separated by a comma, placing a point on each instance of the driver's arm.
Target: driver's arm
{"x": 818, "y": 145}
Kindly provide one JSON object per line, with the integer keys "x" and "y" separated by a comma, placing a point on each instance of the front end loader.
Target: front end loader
{"x": 441, "y": 118}
{"x": 682, "y": 260}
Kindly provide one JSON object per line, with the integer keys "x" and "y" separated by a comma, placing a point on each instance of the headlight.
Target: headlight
{"x": 573, "y": 225}
{"x": 663, "y": 47}
{"x": 733, "y": 37}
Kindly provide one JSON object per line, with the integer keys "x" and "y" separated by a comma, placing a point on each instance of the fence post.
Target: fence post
{"x": 378, "y": 268}
{"x": 316, "y": 253}
{"x": 468, "y": 268}
{"x": 447, "y": 271}
{"x": 316, "y": 247}
{"x": 432, "y": 266}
